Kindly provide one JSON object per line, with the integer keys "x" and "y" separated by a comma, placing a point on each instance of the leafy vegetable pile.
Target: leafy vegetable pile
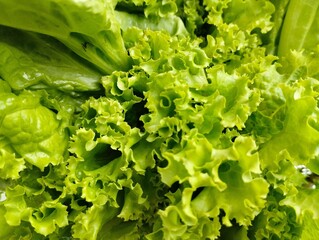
{"x": 149, "y": 119}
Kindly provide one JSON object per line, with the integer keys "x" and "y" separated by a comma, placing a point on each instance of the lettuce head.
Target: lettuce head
{"x": 150, "y": 119}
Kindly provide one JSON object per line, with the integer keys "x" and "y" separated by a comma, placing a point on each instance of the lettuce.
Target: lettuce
{"x": 304, "y": 29}
{"x": 300, "y": 55}
{"x": 88, "y": 28}
{"x": 31, "y": 131}
{"x": 159, "y": 119}
{"x": 31, "y": 60}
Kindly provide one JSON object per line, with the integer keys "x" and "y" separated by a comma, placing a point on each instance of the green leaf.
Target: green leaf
{"x": 10, "y": 166}
{"x": 241, "y": 101}
{"x": 32, "y": 130}
{"x": 250, "y": 15}
{"x": 275, "y": 221}
{"x": 89, "y": 28}
{"x": 311, "y": 227}
{"x": 96, "y": 216}
{"x": 170, "y": 24}
{"x": 298, "y": 123}
{"x": 48, "y": 217}
{"x": 30, "y": 60}
{"x": 302, "y": 202}
{"x": 299, "y": 32}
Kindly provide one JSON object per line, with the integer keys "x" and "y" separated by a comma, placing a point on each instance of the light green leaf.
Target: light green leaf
{"x": 30, "y": 60}
{"x": 89, "y": 28}
{"x": 10, "y": 166}
{"x": 32, "y": 130}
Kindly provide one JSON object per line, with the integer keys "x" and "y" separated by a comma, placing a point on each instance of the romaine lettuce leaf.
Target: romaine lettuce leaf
{"x": 89, "y": 28}
{"x": 30, "y": 60}
{"x": 299, "y": 32}
{"x": 298, "y": 42}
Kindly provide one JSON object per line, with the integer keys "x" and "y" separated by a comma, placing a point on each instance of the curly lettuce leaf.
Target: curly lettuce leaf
{"x": 10, "y": 165}
{"x": 171, "y": 24}
{"x": 34, "y": 204}
{"x": 249, "y": 15}
{"x": 298, "y": 122}
{"x": 193, "y": 15}
{"x": 208, "y": 186}
{"x": 96, "y": 216}
{"x": 305, "y": 207}
{"x": 30, "y": 205}
{"x": 197, "y": 140}
{"x": 117, "y": 184}
{"x": 149, "y": 8}
{"x": 184, "y": 116}
{"x": 275, "y": 221}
